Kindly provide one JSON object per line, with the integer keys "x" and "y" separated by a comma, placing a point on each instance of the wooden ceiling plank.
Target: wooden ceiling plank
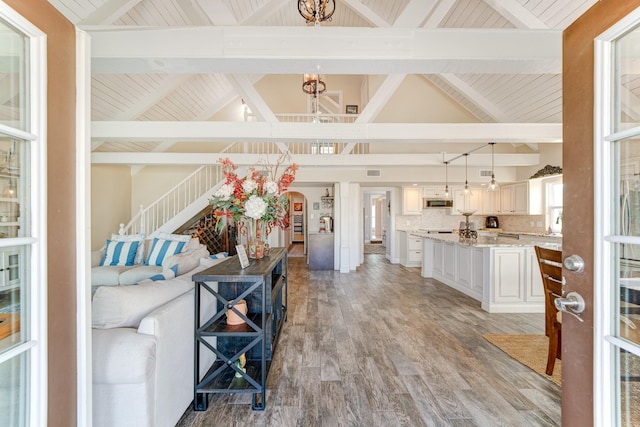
{"x": 475, "y": 97}
{"x": 143, "y": 104}
{"x": 264, "y": 12}
{"x": 415, "y": 13}
{"x": 515, "y": 13}
{"x": 109, "y": 12}
{"x": 438, "y": 15}
{"x": 217, "y": 12}
{"x": 366, "y": 13}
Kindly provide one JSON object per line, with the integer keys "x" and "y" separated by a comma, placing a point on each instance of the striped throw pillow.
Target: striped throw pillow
{"x": 162, "y": 248}
{"x": 120, "y": 253}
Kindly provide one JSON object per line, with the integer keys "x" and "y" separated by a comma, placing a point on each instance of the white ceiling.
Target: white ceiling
{"x": 162, "y": 69}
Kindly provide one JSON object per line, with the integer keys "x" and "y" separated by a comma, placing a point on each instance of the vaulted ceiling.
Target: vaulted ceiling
{"x": 166, "y": 73}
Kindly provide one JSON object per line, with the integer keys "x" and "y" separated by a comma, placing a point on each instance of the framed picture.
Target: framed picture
{"x": 352, "y": 109}
{"x": 297, "y": 207}
{"x": 316, "y": 206}
{"x": 242, "y": 256}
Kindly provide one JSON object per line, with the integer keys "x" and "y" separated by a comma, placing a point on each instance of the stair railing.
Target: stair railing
{"x": 149, "y": 219}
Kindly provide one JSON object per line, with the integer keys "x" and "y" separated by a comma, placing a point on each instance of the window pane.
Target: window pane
{"x": 629, "y": 366}
{"x": 14, "y": 302}
{"x": 13, "y": 77}
{"x": 13, "y": 187}
{"x": 13, "y": 391}
{"x": 626, "y": 191}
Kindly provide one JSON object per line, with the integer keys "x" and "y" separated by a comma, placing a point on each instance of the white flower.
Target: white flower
{"x": 271, "y": 187}
{"x": 255, "y": 207}
{"x": 224, "y": 192}
{"x": 249, "y": 185}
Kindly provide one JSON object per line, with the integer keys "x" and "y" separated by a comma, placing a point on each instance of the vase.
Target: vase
{"x": 255, "y": 240}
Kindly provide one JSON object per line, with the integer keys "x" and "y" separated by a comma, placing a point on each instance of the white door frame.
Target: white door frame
{"x": 605, "y": 385}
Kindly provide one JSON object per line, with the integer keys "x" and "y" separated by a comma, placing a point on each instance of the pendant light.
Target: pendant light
{"x": 493, "y": 185}
{"x": 466, "y": 167}
{"x": 446, "y": 180}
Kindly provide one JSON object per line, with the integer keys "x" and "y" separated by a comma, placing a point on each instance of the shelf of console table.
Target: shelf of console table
{"x": 264, "y": 287}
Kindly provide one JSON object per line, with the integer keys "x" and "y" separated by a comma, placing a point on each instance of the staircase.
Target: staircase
{"x": 179, "y": 205}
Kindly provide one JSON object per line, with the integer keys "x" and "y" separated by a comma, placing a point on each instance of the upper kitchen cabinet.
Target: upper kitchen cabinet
{"x": 467, "y": 202}
{"x": 412, "y": 201}
{"x": 491, "y": 202}
{"x": 521, "y": 198}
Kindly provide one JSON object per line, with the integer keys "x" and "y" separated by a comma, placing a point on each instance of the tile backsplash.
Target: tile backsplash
{"x": 441, "y": 218}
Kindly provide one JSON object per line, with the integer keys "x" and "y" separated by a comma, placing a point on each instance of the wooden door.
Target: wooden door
{"x": 579, "y": 403}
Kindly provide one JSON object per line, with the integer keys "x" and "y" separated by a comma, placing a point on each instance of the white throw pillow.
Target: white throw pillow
{"x": 126, "y": 306}
{"x": 132, "y": 238}
{"x": 210, "y": 262}
{"x": 176, "y": 237}
{"x": 185, "y": 261}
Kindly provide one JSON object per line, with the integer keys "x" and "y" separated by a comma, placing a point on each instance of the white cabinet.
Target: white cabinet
{"x": 466, "y": 202}
{"x": 521, "y": 198}
{"x": 410, "y": 249}
{"x": 491, "y": 202}
{"x": 9, "y": 269}
{"x": 412, "y": 201}
{"x": 449, "y": 261}
{"x": 517, "y": 285}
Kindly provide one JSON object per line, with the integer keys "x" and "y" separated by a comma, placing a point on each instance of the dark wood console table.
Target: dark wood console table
{"x": 264, "y": 287}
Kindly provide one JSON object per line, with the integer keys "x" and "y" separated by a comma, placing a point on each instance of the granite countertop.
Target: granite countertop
{"x": 490, "y": 241}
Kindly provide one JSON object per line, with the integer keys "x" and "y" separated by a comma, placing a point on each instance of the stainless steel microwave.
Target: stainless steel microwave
{"x": 437, "y": 203}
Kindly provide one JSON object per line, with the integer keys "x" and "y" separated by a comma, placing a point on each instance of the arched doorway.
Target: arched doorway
{"x": 296, "y": 234}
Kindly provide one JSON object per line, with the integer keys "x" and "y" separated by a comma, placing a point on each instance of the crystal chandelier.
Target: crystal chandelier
{"x": 316, "y": 10}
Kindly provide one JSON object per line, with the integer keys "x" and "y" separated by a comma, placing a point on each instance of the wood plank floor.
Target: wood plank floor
{"x": 382, "y": 346}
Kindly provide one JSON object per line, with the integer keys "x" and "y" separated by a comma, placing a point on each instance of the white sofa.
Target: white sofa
{"x": 143, "y": 343}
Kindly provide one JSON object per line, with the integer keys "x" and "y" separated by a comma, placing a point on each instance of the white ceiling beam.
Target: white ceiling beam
{"x": 245, "y": 88}
{"x": 366, "y": 13}
{"x": 160, "y": 148}
{"x": 264, "y": 12}
{"x": 217, "y": 12}
{"x": 475, "y": 97}
{"x": 143, "y": 104}
{"x": 515, "y": 13}
{"x": 414, "y": 13}
{"x": 380, "y": 98}
{"x": 194, "y": 12}
{"x": 432, "y": 159}
{"x": 275, "y": 50}
{"x": 109, "y": 12}
{"x": 441, "y": 10}
{"x": 339, "y": 132}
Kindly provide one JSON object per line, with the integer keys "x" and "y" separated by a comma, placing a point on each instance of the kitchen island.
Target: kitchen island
{"x": 500, "y": 272}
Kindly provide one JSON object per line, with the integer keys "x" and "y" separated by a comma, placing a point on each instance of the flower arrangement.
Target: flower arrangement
{"x": 258, "y": 196}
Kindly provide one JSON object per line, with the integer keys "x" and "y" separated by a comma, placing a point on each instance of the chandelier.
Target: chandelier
{"x": 316, "y": 10}
{"x": 313, "y": 84}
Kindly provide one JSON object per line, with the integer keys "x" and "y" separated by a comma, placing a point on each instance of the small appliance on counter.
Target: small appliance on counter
{"x": 492, "y": 222}
{"x": 326, "y": 224}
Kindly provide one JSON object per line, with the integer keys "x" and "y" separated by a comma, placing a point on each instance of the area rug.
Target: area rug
{"x": 530, "y": 350}
{"x": 375, "y": 248}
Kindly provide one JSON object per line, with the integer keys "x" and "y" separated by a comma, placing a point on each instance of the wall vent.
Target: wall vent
{"x": 485, "y": 173}
{"x": 373, "y": 172}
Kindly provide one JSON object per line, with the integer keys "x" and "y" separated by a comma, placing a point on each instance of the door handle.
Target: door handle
{"x": 572, "y": 304}
{"x": 574, "y": 263}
